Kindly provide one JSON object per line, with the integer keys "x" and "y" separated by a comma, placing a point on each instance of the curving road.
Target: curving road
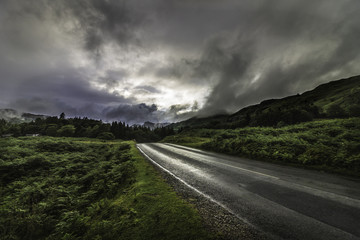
{"x": 283, "y": 202}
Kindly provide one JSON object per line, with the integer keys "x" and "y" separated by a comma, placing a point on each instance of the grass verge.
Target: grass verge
{"x": 329, "y": 145}
{"x": 160, "y": 213}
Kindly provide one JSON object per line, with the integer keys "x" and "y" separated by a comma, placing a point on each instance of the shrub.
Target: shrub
{"x": 319, "y": 155}
{"x": 354, "y": 111}
{"x": 66, "y": 131}
{"x": 106, "y": 136}
{"x": 51, "y": 130}
{"x": 37, "y": 161}
{"x": 331, "y": 144}
{"x": 46, "y": 194}
{"x": 59, "y": 147}
{"x": 336, "y": 111}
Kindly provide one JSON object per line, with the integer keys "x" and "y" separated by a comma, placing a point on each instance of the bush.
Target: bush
{"x": 336, "y": 111}
{"x": 66, "y": 131}
{"x": 51, "y": 130}
{"x": 46, "y": 194}
{"x": 59, "y": 147}
{"x": 319, "y": 155}
{"x": 106, "y": 136}
{"x": 354, "y": 111}
{"x": 37, "y": 161}
{"x": 327, "y": 144}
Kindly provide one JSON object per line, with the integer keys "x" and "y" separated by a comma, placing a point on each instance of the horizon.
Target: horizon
{"x": 168, "y": 61}
{"x": 164, "y": 122}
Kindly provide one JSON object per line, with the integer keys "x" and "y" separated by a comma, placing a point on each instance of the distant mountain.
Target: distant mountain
{"x": 14, "y": 116}
{"x": 339, "y": 98}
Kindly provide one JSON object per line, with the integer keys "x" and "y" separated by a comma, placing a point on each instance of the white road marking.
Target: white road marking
{"x": 195, "y": 189}
{"x": 323, "y": 224}
{"x": 247, "y": 170}
{"x": 300, "y": 187}
{"x": 228, "y": 165}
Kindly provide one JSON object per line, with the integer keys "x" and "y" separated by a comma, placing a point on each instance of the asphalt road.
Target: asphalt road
{"x": 281, "y": 201}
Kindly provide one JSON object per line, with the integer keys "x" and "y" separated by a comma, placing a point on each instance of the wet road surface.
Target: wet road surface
{"x": 281, "y": 201}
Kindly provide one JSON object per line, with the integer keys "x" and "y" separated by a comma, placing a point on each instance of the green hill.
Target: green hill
{"x": 275, "y": 130}
{"x": 335, "y": 99}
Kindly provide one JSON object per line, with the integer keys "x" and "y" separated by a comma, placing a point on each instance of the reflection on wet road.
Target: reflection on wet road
{"x": 285, "y": 202}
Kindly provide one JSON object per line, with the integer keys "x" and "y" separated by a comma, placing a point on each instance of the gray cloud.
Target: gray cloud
{"x": 147, "y": 89}
{"x": 224, "y": 54}
{"x": 104, "y": 21}
{"x": 180, "y": 112}
{"x": 69, "y": 86}
{"x": 58, "y": 92}
{"x": 131, "y": 113}
{"x": 41, "y": 105}
{"x": 290, "y": 47}
{"x": 94, "y": 22}
{"x": 230, "y": 63}
{"x": 113, "y": 78}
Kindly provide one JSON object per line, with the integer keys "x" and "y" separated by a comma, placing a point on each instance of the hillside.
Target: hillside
{"x": 339, "y": 98}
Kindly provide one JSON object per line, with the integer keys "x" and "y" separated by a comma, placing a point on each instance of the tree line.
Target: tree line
{"x": 84, "y": 127}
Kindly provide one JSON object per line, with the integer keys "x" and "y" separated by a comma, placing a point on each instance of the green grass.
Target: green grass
{"x": 330, "y": 145}
{"x": 189, "y": 141}
{"x": 64, "y": 188}
{"x": 161, "y": 214}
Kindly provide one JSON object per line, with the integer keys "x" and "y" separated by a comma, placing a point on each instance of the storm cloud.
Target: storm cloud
{"x": 132, "y": 113}
{"x": 162, "y": 60}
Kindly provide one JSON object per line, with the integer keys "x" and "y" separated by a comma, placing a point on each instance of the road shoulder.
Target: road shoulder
{"x": 220, "y": 222}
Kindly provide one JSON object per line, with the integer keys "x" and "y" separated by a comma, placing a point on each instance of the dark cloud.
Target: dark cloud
{"x": 43, "y": 106}
{"x": 178, "y": 69}
{"x": 114, "y": 78}
{"x": 180, "y": 112}
{"x": 70, "y": 86}
{"x": 230, "y": 64}
{"x": 132, "y": 113}
{"x": 106, "y": 20}
{"x": 58, "y": 92}
{"x": 179, "y": 107}
{"x": 289, "y": 47}
{"x": 95, "y": 22}
{"x": 224, "y": 54}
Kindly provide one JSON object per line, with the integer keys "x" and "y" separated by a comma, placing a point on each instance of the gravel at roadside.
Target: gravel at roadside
{"x": 223, "y": 224}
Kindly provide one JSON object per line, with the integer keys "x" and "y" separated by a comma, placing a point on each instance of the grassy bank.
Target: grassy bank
{"x": 330, "y": 145}
{"x": 63, "y": 188}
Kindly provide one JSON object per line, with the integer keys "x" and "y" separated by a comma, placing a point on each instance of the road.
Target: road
{"x": 282, "y": 202}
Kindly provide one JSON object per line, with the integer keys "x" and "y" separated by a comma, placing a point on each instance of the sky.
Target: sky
{"x": 169, "y": 60}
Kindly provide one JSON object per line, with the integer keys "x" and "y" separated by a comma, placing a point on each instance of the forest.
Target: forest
{"x": 83, "y": 127}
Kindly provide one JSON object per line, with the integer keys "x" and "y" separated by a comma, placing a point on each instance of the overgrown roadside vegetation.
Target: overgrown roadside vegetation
{"x": 330, "y": 145}
{"x": 73, "y": 188}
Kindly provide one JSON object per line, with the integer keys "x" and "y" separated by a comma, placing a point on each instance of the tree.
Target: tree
{"x": 62, "y": 115}
{"x": 51, "y": 130}
{"x": 15, "y": 129}
{"x": 66, "y": 131}
{"x": 106, "y": 136}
